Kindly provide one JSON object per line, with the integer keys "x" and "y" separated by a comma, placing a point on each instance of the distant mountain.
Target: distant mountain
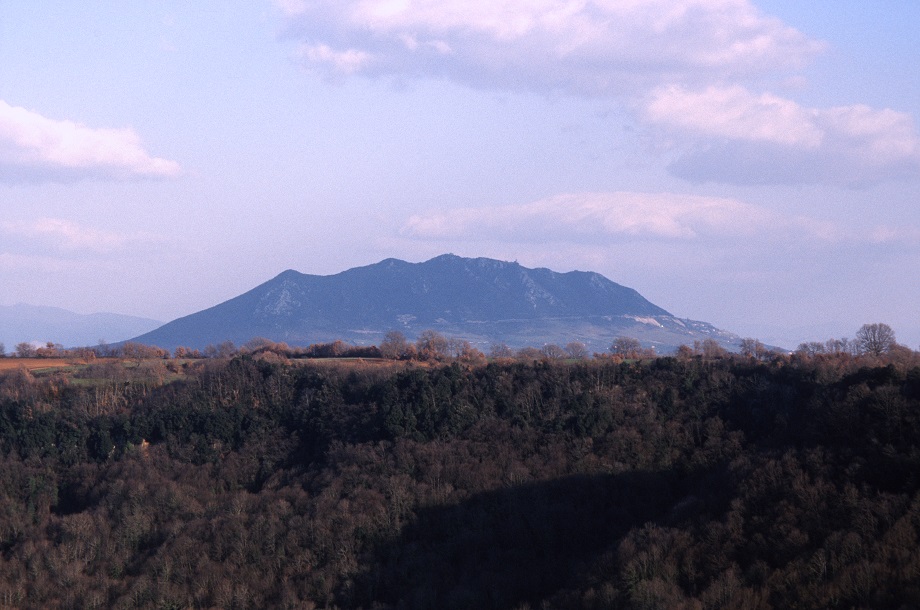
{"x": 481, "y": 300}
{"x": 31, "y": 323}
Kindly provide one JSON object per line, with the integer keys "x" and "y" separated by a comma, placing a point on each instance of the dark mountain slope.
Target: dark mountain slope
{"x": 480, "y": 299}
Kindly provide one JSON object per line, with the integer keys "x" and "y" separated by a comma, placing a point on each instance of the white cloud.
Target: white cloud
{"x": 677, "y": 63}
{"x": 339, "y": 62}
{"x": 36, "y": 148}
{"x": 733, "y": 135}
{"x": 602, "y": 216}
{"x": 580, "y": 46}
{"x": 734, "y": 113}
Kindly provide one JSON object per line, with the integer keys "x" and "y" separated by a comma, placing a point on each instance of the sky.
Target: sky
{"x": 750, "y": 163}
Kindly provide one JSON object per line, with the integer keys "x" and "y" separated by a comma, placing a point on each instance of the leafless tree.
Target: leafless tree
{"x": 25, "y": 350}
{"x": 576, "y": 350}
{"x": 182, "y": 352}
{"x": 50, "y": 350}
{"x": 753, "y": 348}
{"x": 811, "y": 349}
{"x": 627, "y": 347}
{"x": 138, "y": 352}
{"x": 551, "y": 351}
{"x": 529, "y": 353}
{"x": 462, "y": 350}
{"x": 710, "y": 349}
{"x": 457, "y": 347}
{"x": 501, "y": 350}
{"x": 839, "y": 346}
{"x": 875, "y": 339}
{"x": 226, "y": 349}
{"x": 257, "y": 344}
{"x": 103, "y": 350}
{"x": 394, "y": 345}
{"x": 431, "y": 345}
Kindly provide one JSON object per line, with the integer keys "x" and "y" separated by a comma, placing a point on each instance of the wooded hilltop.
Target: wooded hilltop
{"x": 258, "y": 480}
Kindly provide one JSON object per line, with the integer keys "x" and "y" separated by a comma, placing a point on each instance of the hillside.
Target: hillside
{"x": 482, "y": 300}
{"x": 34, "y": 324}
{"x": 680, "y": 483}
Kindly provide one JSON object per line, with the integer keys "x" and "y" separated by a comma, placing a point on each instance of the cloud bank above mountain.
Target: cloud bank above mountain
{"x": 591, "y": 48}
{"x": 688, "y": 70}
{"x": 662, "y": 217}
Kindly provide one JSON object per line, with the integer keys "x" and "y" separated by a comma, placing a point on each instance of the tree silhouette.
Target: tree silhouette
{"x": 875, "y": 339}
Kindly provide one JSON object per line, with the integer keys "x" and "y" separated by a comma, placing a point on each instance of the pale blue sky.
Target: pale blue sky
{"x": 751, "y": 164}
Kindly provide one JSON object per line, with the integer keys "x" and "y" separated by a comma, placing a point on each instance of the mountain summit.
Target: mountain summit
{"x": 479, "y": 299}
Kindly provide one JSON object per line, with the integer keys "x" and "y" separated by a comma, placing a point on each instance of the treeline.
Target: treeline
{"x": 871, "y": 340}
{"x": 687, "y": 482}
{"x": 138, "y": 351}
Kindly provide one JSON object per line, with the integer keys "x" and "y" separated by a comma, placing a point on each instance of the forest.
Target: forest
{"x": 689, "y": 482}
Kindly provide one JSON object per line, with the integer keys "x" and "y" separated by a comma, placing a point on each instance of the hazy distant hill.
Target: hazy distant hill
{"x": 482, "y": 300}
{"x": 31, "y": 323}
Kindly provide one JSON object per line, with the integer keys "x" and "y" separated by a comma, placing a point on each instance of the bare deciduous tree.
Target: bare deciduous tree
{"x": 431, "y": 345}
{"x": 25, "y": 350}
{"x": 501, "y": 350}
{"x": 576, "y": 350}
{"x": 551, "y": 351}
{"x": 529, "y": 353}
{"x": 710, "y": 348}
{"x": 627, "y": 347}
{"x": 753, "y": 348}
{"x": 394, "y": 345}
{"x": 457, "y": 348}
{"x": 811, "y": 349}
{"x": 138, "y": 352}
{"x": 839, "y": 346}
{"x": 875, "y": 339}
{"x": 226, "y": 349}
{"x": 463, "y": 350}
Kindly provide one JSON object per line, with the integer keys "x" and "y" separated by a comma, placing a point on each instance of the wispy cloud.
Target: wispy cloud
{"x": 684, "y": 66}
{"x": 595, "y": 48}
{"x": 34, "y": 148}
{"x": 339, "y": 62}
{"x": 59, "y": 235}
{"x": 884, "y": 234}
{"x": 734, "y": 113}
{"x": 601, "y": 216}
{"x": 27, "y": 264}
{"x": 730, "y": 134}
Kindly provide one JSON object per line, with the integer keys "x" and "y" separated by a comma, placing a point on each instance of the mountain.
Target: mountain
{"x": 481, "y": 300}
{"x": 33, "y": 324}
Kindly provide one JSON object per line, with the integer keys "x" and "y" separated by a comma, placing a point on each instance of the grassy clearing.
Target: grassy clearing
{"x": 74, "y": 368}
{"x": 40, "y": 364}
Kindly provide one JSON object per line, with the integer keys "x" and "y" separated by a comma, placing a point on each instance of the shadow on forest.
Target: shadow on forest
{"x": 511, "y": 546}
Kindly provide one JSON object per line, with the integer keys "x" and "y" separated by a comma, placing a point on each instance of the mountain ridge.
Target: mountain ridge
{"x": 24, "y": 323}
{"x": 479, "y": 299}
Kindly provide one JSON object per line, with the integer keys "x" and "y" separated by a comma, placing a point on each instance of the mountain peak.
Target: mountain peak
{"x": 480, "y": 299}
{"x": 289, "y": 274}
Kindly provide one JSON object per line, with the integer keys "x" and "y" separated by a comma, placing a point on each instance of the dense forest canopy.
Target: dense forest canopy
{"x": 254, "y": 482}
